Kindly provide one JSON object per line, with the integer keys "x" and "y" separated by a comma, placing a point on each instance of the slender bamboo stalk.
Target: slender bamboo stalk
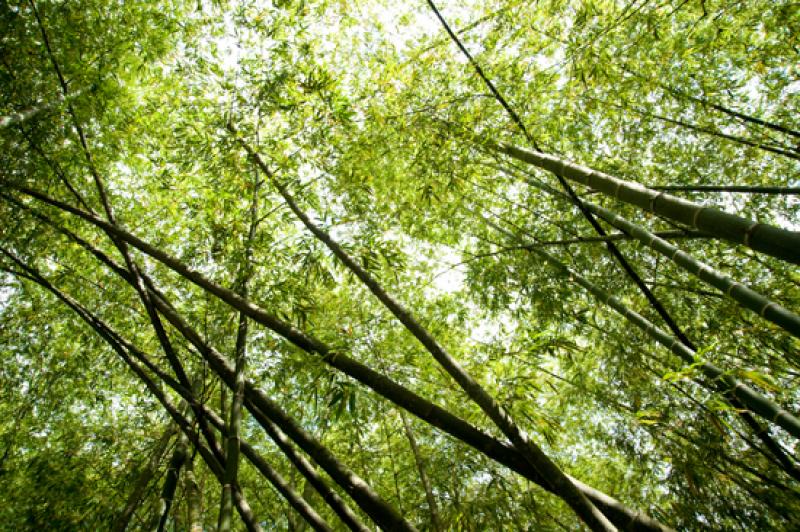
{"x": 674, "y": 235}
{"x": 146, "y": 473}
{"x": 612, "y": 248}
{"x": 771, "y": 148}
{"x": 240, "y": 361}
{"x": 158, "y": 327}
{"x": 436, "y": 521}
{"x": 728, "y": 111}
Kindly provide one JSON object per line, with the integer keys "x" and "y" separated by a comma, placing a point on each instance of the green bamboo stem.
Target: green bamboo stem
{"x": 740, "y": 189}
{"x": 745, "y": 296}
{"x": 774, "y": 241}
{"x": 240, "y": 360}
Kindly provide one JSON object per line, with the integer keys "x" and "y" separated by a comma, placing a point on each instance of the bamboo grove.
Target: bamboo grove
{"x": 427, "y": 266}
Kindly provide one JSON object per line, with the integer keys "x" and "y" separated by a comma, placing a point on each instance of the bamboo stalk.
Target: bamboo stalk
{"x": 774, "y": 241}
{"x": 759, "y": 404}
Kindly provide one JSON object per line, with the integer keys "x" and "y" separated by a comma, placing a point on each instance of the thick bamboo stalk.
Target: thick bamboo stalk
{"x": 741, "y": 189}
{"x": 774, "y": 241}
{"x": 745, "y": 296}
{"x": 20, "y": 117}
{"x": 336, "y": 503}
{"x": 179, "y": 456}
{"x": 742, "y": 294}
{"x": 194, "y": 498}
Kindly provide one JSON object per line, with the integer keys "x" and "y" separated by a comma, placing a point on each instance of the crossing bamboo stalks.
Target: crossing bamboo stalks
{"x": 278, "y": 482}
{"x": 759, "y": 404}
{"x": 624, "y": 517}
{"x": 780, "y": 243}
{"x": 560, "y": 483}
{"x": 124, "y": 350}
{"x": 745, "y": 296}
{"x": 267, "y": 471}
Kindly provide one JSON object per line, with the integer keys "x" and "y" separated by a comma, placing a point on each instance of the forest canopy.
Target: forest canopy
{"x": 475, "y": 265}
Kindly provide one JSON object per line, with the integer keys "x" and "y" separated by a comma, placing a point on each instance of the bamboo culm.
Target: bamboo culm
{"x": 780, "y": 243}
{"x": 753, "y": 400}
{"x": 745, "y": 296}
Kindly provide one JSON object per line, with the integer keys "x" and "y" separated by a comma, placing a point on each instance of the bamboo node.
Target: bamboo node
{"x": 748, "y": 232}
{"x": 696, "y": 215}
{"x": 616, "y": 190}
{"x": 730, "y": 288}
{"x": 562, "y": 165}
{"x": 653, "y": 200}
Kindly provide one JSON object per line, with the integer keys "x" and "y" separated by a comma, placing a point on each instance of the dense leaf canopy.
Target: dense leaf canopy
{"x": 494, "y": 265}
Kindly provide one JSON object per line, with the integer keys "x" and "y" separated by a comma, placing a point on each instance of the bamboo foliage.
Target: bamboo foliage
{"x": 272, "y": 230}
